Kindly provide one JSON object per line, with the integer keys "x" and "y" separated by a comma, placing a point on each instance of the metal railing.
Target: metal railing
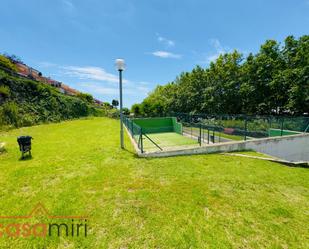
{"x": 137, "y": 134}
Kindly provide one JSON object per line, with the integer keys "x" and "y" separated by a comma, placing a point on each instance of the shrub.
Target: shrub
{"x": 4, "y": 93}
{"x": 6, "y": 63}
{"x": 113, "y": 113}
{"x": 85, "y": 97}
{"x": 9, "y": 113}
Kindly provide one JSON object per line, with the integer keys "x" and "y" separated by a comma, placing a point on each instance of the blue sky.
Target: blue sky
{"x": 77, "y": 41}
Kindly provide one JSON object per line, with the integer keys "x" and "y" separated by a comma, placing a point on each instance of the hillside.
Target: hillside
{"x": 25, "y": 102}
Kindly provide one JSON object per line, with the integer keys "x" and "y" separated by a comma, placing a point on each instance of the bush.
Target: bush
{"x": 29, "y": 102}
{"x": 4, "y": 91}
{"x": 113, "y": 113}
{"x": 126, "y": 111}
{"x": 85, "y": 97}
{"x": 6, "y": 63}
{"x": 9, "y": 114}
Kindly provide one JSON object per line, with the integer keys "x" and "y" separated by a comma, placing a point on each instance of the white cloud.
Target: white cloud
{"x": 68, "y": 5}
{"x": 98, "y": 88}
{"x": 218, "y": 49}
{"x": 165, "y": 41}
{"x": 91, "y": 73}
{"x": 165, "y": 54}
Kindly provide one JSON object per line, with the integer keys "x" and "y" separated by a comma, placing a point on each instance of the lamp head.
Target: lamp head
{"x": 120, "y": 64}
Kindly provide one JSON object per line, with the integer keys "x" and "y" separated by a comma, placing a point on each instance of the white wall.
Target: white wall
{"x": 294, "y": 148}
{"x": 291, "y": 148}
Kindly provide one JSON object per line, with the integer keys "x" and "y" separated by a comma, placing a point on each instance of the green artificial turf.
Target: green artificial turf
{"x": 229, "y": 136}
{"x": 166, "y": 140}
{"x": 201, "y": 201}
{"x": 277, "y": 132}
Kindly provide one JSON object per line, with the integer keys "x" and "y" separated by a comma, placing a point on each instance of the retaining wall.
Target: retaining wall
{"x": 293, "y": 148}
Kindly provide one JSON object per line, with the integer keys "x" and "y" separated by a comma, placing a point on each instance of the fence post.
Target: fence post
{"x": 281, "y": 133}
{"x": 208, "y": 136}
{"x": 269, "y": 128}
{"x": 213, "y": 136}
{"x": 141, "y": 136}
{"x": 246, "y": 123}
{"x": 306, "y": 128}
{"x": 132, "y": 132}
{"x": 200, "y": 134}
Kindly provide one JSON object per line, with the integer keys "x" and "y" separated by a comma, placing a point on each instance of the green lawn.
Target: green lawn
{"x": 202, "y": 201}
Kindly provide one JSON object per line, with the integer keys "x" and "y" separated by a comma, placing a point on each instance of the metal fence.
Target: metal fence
{"x": 138, "y": 134}
{"x": 240, "y": 127}
{"x": 210, "y": 129}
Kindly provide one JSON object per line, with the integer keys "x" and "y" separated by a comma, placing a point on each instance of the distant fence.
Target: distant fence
{"x": 210, "y": 129}
{"x": 246, "y": 126}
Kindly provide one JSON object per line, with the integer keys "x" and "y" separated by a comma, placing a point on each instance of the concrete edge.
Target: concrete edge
{"x": 276, "y": 160}
{"x": 133, "y": 141}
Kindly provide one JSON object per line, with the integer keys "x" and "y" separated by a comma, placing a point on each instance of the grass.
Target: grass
{"x": 202, "y": 201}
{"x": 167, "y": 139}
{"x": 253, "y": 153}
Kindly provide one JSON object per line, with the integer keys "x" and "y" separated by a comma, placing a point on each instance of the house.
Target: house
{"x": 98, "y": 102}
{"x": 53, "y": 83}
{"x": 25, "y": 70}
{"x": 31, "y": 73}
{"x": 68, "y": 90}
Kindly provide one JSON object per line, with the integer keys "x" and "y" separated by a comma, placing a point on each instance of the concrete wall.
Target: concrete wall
{"x": 291, "y": 148}
{"x": 294, "y": 148}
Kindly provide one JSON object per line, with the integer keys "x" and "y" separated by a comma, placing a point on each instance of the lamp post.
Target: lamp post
{"x": 120, "y": 67}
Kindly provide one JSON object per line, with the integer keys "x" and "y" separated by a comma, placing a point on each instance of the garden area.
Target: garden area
{"x": 202, "y": 201}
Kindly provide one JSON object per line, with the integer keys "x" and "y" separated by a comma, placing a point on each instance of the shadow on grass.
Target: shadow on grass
{"x": 131, "y": 152}
{"x": 3, "y": 152}
{"x": 25, "y": 158}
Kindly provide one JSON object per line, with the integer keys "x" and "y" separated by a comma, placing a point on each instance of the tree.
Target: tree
{"x": 273, "y": 81}
{"x": 13, "y": 58}
{"x": 126, "y": 111}
{"x": 107, "y": 105}
{"x": 115, "y": 103}
{"x": 86, "y": 97}
{"x": 136, "y": 109}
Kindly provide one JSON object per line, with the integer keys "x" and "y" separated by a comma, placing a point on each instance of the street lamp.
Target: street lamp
{"x": 120, "y": 67}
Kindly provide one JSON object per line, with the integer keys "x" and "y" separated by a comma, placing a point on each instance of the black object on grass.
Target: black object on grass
{"x": 24, "y": 143}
